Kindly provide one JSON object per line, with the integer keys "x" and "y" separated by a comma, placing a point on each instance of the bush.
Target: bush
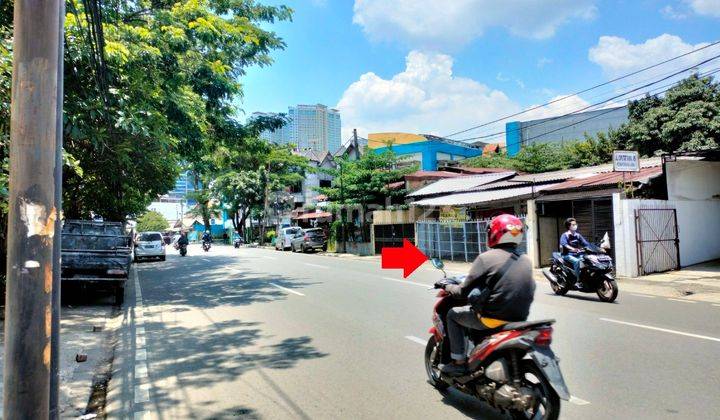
{"x": 270, "y": 235}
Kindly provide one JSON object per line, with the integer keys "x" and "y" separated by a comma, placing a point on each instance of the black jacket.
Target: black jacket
{"x": 512, "y": 295}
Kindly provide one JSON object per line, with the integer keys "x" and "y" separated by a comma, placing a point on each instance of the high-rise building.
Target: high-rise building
{"x": 314, "y": 127}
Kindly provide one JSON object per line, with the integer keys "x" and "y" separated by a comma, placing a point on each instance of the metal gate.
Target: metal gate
{"x": 455, "y": 241}
{"x": 656, "y": 234}
{"x": 393, "y": 235}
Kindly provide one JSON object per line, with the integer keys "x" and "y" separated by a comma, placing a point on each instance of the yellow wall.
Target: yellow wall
{"x": 376, "y": 140}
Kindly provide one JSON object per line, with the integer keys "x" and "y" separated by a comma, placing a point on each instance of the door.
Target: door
{"x": 658, "y": 245}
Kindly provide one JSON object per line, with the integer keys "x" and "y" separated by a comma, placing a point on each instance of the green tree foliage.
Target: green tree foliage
{"x": 364, "y": 182}
{"x": 686, "y": 118}
{"x": 152, "y": 221}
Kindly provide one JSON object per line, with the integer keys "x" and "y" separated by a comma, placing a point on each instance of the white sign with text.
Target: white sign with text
{"x": 626, "y": 161}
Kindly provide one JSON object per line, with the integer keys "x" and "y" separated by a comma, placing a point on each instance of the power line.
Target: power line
{"x": 544, "y": 121}
{"x": 714, "y": 71}
{"x": 585, "y": 90}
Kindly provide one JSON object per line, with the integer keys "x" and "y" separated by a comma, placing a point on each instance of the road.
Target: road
{"x": 256, "y": 333}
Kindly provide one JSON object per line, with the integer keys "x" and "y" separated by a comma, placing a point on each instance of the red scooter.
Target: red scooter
{"x": 512, "y": 367}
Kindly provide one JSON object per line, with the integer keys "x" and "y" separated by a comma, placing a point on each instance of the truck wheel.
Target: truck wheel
{"x": 119, "y": 295}
{"x": 162, "y": 258}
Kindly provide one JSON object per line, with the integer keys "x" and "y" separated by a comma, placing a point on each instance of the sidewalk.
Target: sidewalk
{"x": 86, "y": 329}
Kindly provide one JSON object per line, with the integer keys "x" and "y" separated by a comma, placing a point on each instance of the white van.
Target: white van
{"x": 284, "y": 236}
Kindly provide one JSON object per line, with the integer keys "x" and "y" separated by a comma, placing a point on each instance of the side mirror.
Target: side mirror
{"x": 437, "y": 263}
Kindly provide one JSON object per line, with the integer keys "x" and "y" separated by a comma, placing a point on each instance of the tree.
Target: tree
{"x": 152, "y": 221}
{"x": 686, "y": 118}
{"x": 364, "y": 182}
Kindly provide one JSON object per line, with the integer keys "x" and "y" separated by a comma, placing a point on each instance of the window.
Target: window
{"x": 325, "y": 183}
{"x": 149, "y": 237}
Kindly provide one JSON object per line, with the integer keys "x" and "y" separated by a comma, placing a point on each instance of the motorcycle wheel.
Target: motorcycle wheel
{"x": 607, "y": 291}
{"x": 557, "y": 288}
{"x": 547, "y": 402}
{"x": 432, "y": 361}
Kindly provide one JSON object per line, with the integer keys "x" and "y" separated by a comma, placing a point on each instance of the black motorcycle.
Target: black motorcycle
{"x": 596, "y": 274}
{"x": 206, "y": 246}
{"x": 237, "y": 242}
{"x": 183, "y": 249}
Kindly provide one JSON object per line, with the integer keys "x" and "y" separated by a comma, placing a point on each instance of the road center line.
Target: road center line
{"x": 406, "y": 282}
{"x": 716, "y": 304}
{"x": 316, "y": 265}
{"x": 632, "y": 324}
{"x": 286, "y": 289}
{"x": 642, "y": 296}
{"x": 206, "y": 260}
{"x": 416, "y": 340}
{"x": 682, "y": 300}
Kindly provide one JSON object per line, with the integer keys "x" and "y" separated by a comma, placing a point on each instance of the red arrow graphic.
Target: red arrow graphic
{"x": 409, "y": 258}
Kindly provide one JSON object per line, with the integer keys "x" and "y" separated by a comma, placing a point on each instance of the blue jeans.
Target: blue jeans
{"x": 574, "y": 259}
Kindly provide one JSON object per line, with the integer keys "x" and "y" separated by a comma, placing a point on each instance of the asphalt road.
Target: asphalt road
{"x": 255, "y": 333}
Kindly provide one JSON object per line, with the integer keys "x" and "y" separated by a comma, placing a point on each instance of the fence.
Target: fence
{"x": 455, "y": 241}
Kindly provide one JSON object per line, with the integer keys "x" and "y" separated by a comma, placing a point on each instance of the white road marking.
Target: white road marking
{"x": 205, "y": 259}
{"x": 643, "y": 296}
{"x": 141, "y": 415}
{"x": 286, "y": 289}
{"x": 416, "y": 340}
{"x": 704, "y": 337}
{"x": 139, "y": 342}
{"x": 140, "y": 331}
{"x": 140, "y": 355}
{"x": 682, "y": 300}
{"x": 142, "y": 393}
{"x": 316, "y": 265}
{"x": 578, "y": 401}
{"x": 141, "y": 371}
{"x": 406, "y": 282}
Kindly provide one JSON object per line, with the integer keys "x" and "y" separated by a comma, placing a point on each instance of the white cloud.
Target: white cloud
{"x": 705, "y": 7}
{"x": 543, "y": 61}
{"x": 424, "y": 98}
{"x": 673, "y": 13}
{"x": 617, "y": 56}
{"x": 447, "y": 25}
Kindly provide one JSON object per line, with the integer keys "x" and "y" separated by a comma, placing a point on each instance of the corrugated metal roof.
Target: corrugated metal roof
{"x": 478, "y": 197}
{"x": 461, "y": 183}
{"x": 580, "y": 172}
{"x": 432, "y": 174}
{"x": 609, "y": 178}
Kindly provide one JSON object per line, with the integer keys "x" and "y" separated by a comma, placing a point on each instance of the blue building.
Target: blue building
{"x": 424, "y": 150}
{"x": 561, "y": 129}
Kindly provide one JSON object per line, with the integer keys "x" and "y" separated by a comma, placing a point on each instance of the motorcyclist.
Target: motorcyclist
{"x": 206, "y": 237}
{"x": 183, "y": 239}
{"x": 507, "y": 300}
{"x": 572, "y": 244}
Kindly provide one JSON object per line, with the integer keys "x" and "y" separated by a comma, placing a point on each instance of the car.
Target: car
{"x": 309, "y": 239}
{"x": 149, "y": 245}
{"x": 284, "y": 236}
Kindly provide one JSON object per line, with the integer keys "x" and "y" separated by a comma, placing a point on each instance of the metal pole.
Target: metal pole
{"x": 57, "y": 240}
{"x": 32, "y": 214}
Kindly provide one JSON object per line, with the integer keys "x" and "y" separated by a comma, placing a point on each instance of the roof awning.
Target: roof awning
{"x": 459, "y": 184}
{"x": 479, "y": 197}
{"x": 316, "y": 215}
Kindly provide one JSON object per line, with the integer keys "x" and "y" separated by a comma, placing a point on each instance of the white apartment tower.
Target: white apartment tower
{"x": 314, "y": 127}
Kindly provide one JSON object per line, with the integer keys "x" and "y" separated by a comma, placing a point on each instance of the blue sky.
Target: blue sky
{"x": 441, "y": 66}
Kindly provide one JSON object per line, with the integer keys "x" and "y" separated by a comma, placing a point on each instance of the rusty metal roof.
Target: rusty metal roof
{"x": 580, "y": 172}
{"x": 609, "y": 178}
{"x": 479, "y": 197}
{"x": 460, "y": 183}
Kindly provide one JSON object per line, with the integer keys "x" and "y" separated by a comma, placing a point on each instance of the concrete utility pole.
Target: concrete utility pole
{"x": 33, "y": 213}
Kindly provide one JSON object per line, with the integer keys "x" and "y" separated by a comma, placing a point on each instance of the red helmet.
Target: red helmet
{"x": 505, "y": 229}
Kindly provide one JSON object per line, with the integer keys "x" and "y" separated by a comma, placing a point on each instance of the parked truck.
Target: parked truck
{"x": 96, "y": 254}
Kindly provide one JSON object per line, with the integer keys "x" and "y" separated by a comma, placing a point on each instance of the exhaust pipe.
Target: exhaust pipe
{"x": 550, "y": 276}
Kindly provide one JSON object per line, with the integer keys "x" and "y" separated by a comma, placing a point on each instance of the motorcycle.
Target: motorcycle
{"x": 596, "y": 274}
{"x": 183, "y": 249}
{"x": 206, "y": 246}
{"x": 511, "y": 367}
{"x": 237, "y": 242}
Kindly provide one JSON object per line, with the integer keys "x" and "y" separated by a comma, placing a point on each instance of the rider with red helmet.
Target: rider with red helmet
{"x": 500, "y": 288}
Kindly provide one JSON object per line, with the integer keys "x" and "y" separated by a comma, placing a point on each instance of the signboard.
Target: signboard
{"x": 453, "y": 214}
{"x": 626, "y": 161}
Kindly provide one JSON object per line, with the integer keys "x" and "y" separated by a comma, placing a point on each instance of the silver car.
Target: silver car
{"x": 309, "y": 239}
{"x": 284, "y": 237}
{"x": 150, "y": 245}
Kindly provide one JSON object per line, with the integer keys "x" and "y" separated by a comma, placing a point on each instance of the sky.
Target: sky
{"x": 440, "y": 67}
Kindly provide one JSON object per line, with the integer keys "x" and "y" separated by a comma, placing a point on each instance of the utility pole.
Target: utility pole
{"x": 32, "y": 216}
{"x": 57, "y": 240}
